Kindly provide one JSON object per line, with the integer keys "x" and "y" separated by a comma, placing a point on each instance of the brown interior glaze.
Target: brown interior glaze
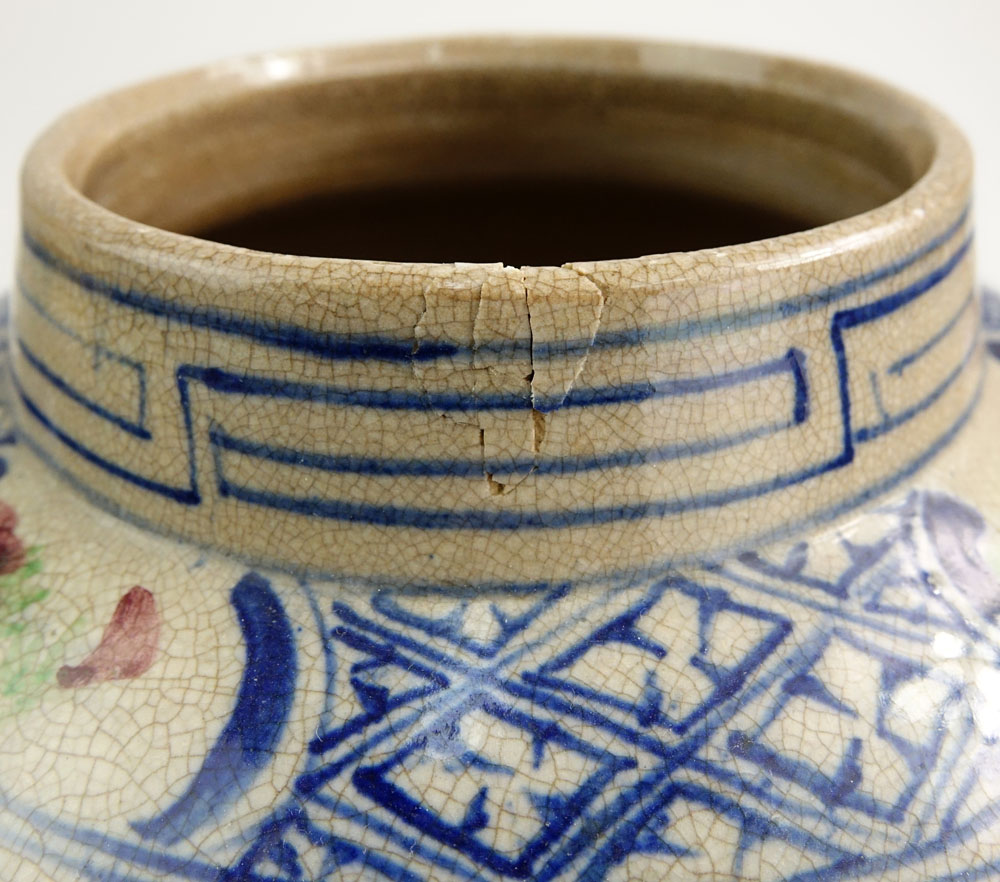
{"x": 540, "y": 166}
{"x": 517, "y": 221}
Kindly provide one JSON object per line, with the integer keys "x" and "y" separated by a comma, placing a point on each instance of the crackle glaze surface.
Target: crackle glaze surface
{"x": 682, "y": 566}
{"x": 825, "y": 709}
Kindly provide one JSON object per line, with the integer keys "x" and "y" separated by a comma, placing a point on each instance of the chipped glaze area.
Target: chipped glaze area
{"x": 679, "y": 567}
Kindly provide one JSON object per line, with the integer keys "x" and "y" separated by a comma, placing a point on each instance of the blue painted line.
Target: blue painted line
{"x": 868, "y": 312}
{"x": 648, "y": 571}
{"x": 231, "y": 383}
{"x": 247, "y": 743}
{"x": 989, "y": 309}
{"x": 133, "y": 428}
{"x": 766, "y": 794}
{"x": 690, "y": 329}
{"x": 481, "y": 519}
{"x": 794, "y": 361}
{"x": 897, "y": 367}
{"x": 416, "y": 845}
{"x": 386, "y": 515}
{"x": 586, "y": 836}
{"x": 860, "y": 865}
{"x": 260, "y": 330}
{"x": 372, "y": 347}
{"x": 471, "y": 468}
{"x": 894, "y": 421}
{"x": 185, "y": 496}
{"x": 753, "y": 826}
{"x": 375, "y": 782}
{"x": 450, "y": 628}
{"x": 379, "y": 702}
{"x": 512, "y": 520}
{"x": 160, "y": 864}
{"x": 228, "y": 383}
{"x": 235, "y": 384}
{"x": 833, "y": 610}
{"x": 987, "y": 870}
{"x": 623, "y": 629}
{"x": 339, "y": 852}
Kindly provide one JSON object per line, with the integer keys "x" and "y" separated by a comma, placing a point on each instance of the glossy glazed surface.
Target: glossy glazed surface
{"x": 680, "y": 566}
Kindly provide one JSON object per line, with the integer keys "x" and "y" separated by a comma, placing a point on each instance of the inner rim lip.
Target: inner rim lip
{"x": 65, "y": 152}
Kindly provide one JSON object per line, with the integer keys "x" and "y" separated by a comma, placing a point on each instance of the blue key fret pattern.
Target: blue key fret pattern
{"x": 606, "y": 732}
{"x": 822, "y": 404}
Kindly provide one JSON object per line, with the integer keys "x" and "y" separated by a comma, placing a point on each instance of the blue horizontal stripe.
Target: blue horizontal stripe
{"x": 897, "y": 367}
{"x": 378, "y": 348}
{"x": 793, "y": 361}
{"x": 867, "y": 312}
{"x": 474, "y": 468}
{"x": 390, "y": 399}
{"x": 689, "y": 329}
{"x": 824, "y": 515}
{"x": 870, "y": 433}
{"x": 252, "y": 327}
{"x": 500, "y": 520}
{"x": 185, "y": 495}
{"x": 70, "y": 392}
{"x": 475, "y": 519}
{"x": 135, "y": 427}
{"x": 878, "y": 308}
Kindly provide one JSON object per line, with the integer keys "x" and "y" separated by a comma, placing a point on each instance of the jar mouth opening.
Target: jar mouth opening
{"x": 524, "y": 153}
{"x": 493, "y": 423}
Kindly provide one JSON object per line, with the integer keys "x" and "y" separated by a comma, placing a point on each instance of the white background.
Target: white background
{"x": 55, "y": 54}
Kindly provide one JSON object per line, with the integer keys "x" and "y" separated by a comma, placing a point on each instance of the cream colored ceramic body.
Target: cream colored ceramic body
{"x": 676, "y": 566}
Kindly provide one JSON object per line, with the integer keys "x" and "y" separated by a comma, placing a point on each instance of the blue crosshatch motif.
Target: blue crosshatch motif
{"x": 843, "y": 782}
{"x": 627, "y": 805}
{"x": 540, "y": 817}
{"x": 713, "y": 670}
{"x": 223, "y": 443}
{"x": 452, "y": 626}
{"x": 414, "y": 697}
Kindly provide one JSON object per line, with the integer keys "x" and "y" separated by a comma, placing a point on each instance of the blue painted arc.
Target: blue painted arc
{"x": 247, "y": 743}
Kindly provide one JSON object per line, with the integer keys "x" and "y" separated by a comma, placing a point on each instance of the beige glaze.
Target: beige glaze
{"x": 669, "y": 565}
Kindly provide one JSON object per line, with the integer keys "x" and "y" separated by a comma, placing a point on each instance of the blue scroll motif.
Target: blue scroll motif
{"x": 228, "y": 383}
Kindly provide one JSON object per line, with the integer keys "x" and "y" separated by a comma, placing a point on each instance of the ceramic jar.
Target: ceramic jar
{"x": 608, "y": 490}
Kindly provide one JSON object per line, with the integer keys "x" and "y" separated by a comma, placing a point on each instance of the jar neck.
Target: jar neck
{"x": 480, "y": 422}
{"x": 506, "y": 425}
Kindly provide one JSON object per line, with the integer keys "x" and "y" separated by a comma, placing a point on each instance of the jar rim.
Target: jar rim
{"x": 54, "y": 187}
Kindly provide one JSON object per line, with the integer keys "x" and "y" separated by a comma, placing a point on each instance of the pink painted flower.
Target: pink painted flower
{"x": 127, "y": 648}
{"x": 12, "y": 551}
